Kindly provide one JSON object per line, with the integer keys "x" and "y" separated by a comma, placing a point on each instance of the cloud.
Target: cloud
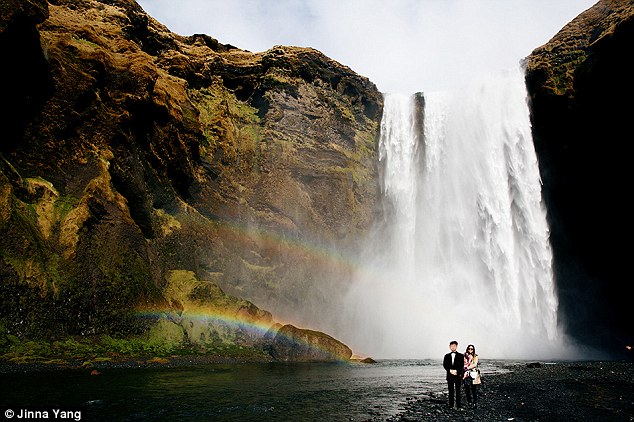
{"x": 401, "y": 45}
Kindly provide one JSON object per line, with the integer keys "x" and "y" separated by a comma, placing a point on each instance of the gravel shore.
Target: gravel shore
{"x": 563, "y": 391}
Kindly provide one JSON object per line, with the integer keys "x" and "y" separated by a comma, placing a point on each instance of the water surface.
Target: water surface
{"x": 260, "y": 391}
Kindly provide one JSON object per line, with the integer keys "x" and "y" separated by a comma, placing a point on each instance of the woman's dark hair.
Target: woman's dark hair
{"x": 467, "y": 350}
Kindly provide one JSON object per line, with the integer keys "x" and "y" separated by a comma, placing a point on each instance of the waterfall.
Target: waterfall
{"x": 463, "y": 250}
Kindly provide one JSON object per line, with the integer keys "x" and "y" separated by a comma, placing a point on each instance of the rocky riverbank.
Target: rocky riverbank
{"x": 96, "y": 366}
{"x": 572, "y": 391}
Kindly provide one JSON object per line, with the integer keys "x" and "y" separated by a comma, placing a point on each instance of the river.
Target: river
{"x": 237, "y": 392}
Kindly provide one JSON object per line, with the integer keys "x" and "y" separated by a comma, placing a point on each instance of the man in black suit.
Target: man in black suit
{"x": 454, "y": 365}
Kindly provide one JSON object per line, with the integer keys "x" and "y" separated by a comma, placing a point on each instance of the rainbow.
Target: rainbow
{"x": 271, "y": 242}
{"x": 254, "y": 329}
{"x": 328, "y": 257}
{"x": 268, "y": 243}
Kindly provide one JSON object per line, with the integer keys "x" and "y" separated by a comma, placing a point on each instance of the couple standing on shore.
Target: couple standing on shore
{"x": 462, "y": 369}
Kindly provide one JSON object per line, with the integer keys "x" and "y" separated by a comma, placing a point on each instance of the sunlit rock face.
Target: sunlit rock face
{"x": 581, "y": 89}
{"x": 129, "y": 152}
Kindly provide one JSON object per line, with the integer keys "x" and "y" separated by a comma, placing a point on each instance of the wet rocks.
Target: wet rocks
{"x": 359, "y": 359}
{"x": 292, "y": 344}
{"x": 552, "y": 392}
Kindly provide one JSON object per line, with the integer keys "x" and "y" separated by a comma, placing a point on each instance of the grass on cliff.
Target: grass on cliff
{"x": 224, "y": 118}
{"x": 88, "y": 351}
{"x": 162, "y": 340}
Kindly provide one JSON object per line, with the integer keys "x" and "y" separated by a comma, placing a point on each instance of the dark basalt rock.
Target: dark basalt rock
{"x": 580, "y": 85}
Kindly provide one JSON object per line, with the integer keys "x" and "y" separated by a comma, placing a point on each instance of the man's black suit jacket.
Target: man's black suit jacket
{"x": 458, "y": 364}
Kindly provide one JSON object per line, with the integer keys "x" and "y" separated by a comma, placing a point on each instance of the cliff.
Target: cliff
{"x": 131, "y": 154}
{"x": 581, "y": 89}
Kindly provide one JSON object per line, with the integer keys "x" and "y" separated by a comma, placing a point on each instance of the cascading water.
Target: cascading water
{"x": 463, "y": 252}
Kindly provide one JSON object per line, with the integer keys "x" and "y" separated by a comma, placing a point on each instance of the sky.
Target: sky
{"x": 403, "y": 46}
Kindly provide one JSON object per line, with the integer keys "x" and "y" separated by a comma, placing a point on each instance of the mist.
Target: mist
{"x": 431, "y": 242}
{"x": 463, "y": 251}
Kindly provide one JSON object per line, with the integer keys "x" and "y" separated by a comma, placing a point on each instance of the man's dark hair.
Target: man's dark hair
{"x": 453, "y": 342}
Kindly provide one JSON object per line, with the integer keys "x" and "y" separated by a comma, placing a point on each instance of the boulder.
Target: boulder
{"x": 361, "y": 359}
{"x": 292, "y": 344}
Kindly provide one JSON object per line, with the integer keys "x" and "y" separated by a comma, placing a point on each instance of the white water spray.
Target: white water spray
{"x": 464, "y": 251}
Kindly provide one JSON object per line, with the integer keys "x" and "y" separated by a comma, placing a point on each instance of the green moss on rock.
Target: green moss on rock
{"x": 133, "y": 151}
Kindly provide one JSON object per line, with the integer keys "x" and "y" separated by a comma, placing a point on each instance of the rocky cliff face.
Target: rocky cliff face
{"x": 581, "y": 89}
{"x": 129, "y": 152}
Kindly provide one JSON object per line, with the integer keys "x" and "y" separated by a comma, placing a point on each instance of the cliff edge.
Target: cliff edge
{"x": 581, "y": 89}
